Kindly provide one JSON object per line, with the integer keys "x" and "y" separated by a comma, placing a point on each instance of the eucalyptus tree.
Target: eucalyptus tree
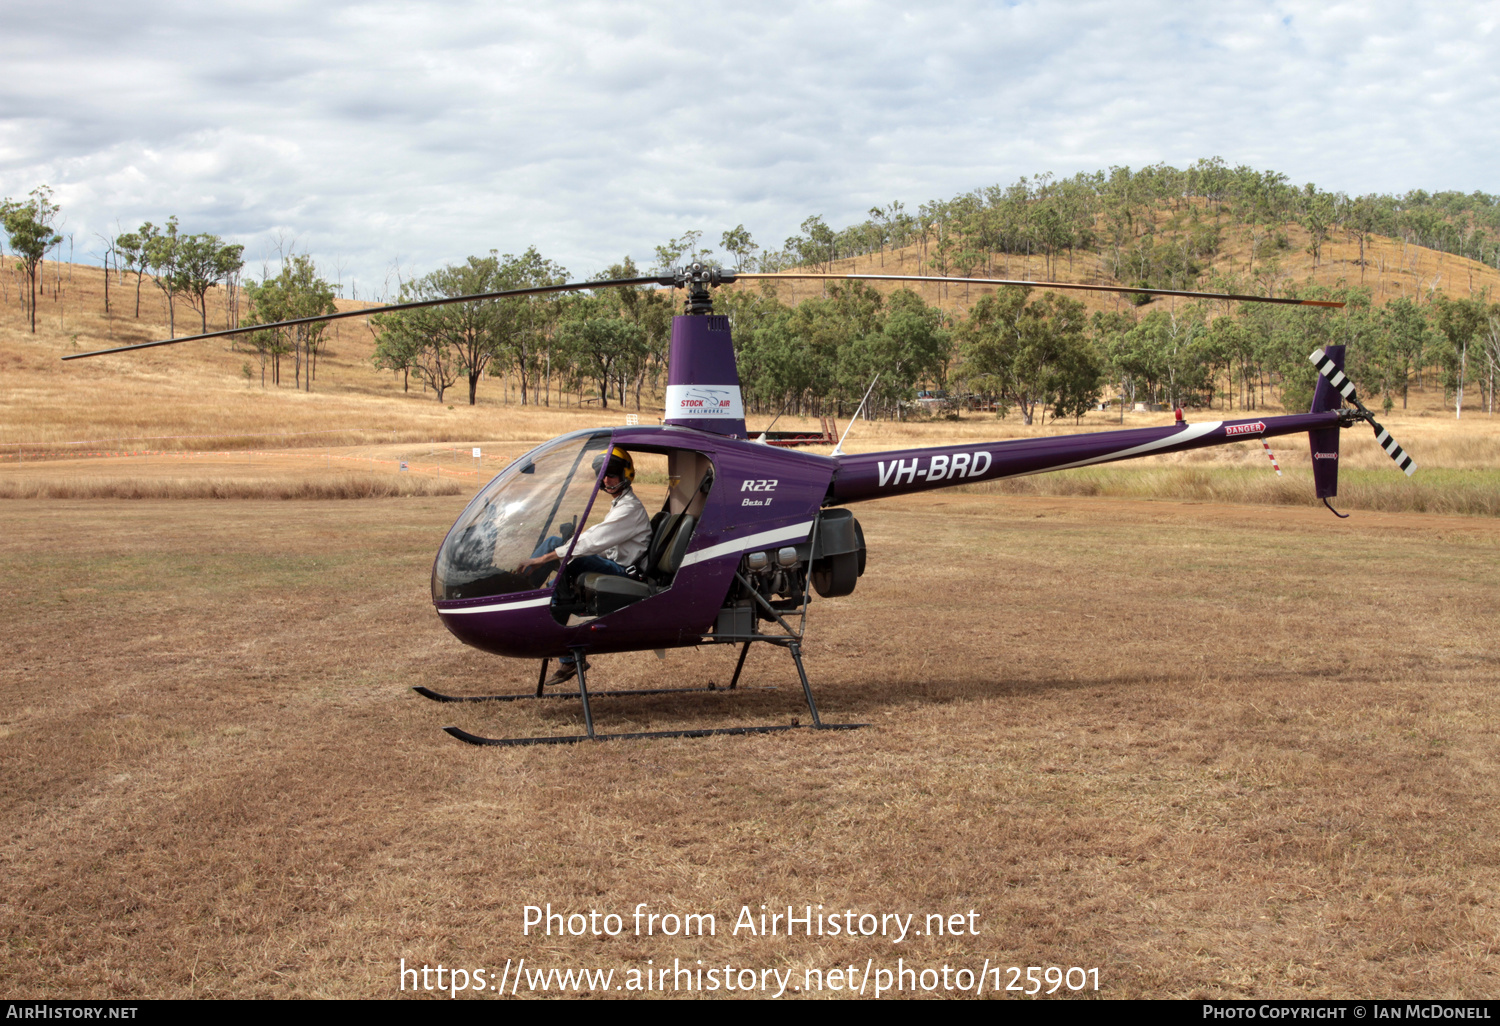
{"x": 1317, "y": 219}
{"x": 204, "y": 261}
{"x": 738, "y": 243}
{"x": 1459, "y": 321}
{"x": 530, "y": 320}
{"x": 1489, "y": 342}
{"x": 1030, "y": 353}
{"x": 296, "y": 291}
{"x": 470, "y": 332}
{"x": 1408, "y": 338}
{"x": 650, "y": 310}
{"x": 601, "y": 342}
{"x": 162, "y": 252}
{"x": 817, "y": 243}
{"x": 908, "y": 345}
{"x": 28, "y": 225}
{"x": 683, "y": 248}
{"x": 403, "y": 344}
{"x": 132, "y": 246}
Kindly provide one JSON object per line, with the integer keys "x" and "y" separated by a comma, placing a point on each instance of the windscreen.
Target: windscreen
{"x": 531, "y": 507}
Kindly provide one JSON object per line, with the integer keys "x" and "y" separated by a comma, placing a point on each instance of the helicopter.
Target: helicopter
{"x": 750, "y": 528}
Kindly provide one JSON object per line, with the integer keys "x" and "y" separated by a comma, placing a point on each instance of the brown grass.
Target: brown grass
{"x": 280, "y": 487}
{"x": 1214, "y": 751}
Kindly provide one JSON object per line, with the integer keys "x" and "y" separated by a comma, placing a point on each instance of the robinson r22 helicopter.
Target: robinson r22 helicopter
{"x": 748, "y": 529}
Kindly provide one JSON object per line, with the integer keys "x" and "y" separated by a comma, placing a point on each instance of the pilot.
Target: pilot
{"x": 614, "y": 546}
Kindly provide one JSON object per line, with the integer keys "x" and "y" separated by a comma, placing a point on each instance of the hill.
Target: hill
{"x": 1390, "y": 268}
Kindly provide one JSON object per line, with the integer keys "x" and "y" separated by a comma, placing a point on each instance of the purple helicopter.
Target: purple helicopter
{"x": 748, "y": 530}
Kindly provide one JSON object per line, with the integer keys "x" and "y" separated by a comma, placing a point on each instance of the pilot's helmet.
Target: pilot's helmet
{"x": 620, "y": 465}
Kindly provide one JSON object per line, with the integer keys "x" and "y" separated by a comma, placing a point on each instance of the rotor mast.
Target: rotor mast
{"x": 703, "y": 378}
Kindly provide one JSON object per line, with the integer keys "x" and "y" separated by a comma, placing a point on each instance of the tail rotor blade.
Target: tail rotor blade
{"x": 1394, "y": 451}
{"x": 1345, "y": 388}
{"x": 1335, "y": 376}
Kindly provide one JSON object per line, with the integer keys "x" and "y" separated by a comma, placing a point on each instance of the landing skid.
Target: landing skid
{"x": 570, "y": 739}
{"x": 584, "y": 695}
{"x": 438, "y": 696}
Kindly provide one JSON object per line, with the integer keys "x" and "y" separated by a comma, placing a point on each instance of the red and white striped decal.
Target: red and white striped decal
{"x": 1267, "y": 446}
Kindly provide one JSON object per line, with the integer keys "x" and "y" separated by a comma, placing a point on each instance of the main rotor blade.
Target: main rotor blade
{"x": 1046, "y": 285}
{"x": 577, "y": 286}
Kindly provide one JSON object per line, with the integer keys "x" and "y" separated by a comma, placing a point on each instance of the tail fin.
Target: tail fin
{"x": 1325, "y": 441}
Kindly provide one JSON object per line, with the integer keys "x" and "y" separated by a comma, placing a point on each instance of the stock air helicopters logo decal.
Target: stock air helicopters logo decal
{"x": 705, "y": 401}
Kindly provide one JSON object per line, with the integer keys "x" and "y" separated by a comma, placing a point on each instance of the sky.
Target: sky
{"x": 388, "y": 139}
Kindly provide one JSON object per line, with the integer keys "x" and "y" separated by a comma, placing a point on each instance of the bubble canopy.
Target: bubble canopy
{"x": 533, "y": 505}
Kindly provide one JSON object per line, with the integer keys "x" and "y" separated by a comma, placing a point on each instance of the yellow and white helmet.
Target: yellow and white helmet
{"x": 620, "y": 465}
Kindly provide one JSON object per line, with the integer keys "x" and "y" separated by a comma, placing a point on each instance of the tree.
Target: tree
{"x": 600, "y": 342}
{"x": 1359, "y": 222}
{"x": 1031, "y": 353}
{"x": 668, "y": 254}
{"x": 466, "y": 340}
{"x": 528, "y": 328}
{"x": 397, "y": 351}
{"x": 1407, "y": 339}
{"x": 295, "y": 292}
{"x": 1489, "y": 338}
{"x": 818, "y": 247}
{"x": 1165, "y": 350}
{"x": 29, "y": 226}
{"x": 132, "y": 247}
{"x": 203, "y": 261}
{"x": 738, "y": 243}
{"x": 162, "y": 252}
{"x": 910, "y": 345}
{"x": 471, "y": 332}
{"x": 651, "y": 310}
{"x": 1317, "y": 220}
{"x": 1460, "y": 320}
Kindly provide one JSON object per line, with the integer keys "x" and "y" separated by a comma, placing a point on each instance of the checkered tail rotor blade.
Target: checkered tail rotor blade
{"x": 1345, "y": 388}
{"x": 1394, "y": 451}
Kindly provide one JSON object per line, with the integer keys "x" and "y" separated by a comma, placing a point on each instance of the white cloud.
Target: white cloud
{"x": 424, "y": 133}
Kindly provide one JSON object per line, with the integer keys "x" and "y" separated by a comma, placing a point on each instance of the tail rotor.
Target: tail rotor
{"x": 1329, "y": 368}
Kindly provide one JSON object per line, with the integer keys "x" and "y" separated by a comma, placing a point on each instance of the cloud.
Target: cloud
{"x": 424, "y": 133}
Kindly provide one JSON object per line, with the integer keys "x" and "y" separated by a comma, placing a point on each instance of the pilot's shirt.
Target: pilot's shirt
{"x": 622, "y": 536}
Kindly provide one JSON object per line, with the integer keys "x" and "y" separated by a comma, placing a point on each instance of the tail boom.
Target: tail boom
{"x": 863, "y": 476}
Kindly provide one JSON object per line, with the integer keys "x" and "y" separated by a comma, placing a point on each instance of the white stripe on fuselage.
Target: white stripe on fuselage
{"x": 1189, "y": 433}
{"x": 499, "y": 606}
{"x": 794, "y": 532}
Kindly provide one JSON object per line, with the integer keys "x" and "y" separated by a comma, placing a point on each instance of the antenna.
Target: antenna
{"x": 838, "y": 450}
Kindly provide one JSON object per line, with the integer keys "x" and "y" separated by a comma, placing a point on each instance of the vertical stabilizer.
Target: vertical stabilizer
{"x": 1325, "y": 441}
{"x": 703, "y": 382}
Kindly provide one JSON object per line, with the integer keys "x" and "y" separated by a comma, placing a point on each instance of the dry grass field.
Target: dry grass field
{"x": 1210, "y": 750}
{"x": 1164, "y": 719}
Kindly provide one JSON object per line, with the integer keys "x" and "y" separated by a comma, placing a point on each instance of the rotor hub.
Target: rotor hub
{"x": 698, "y": 280}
